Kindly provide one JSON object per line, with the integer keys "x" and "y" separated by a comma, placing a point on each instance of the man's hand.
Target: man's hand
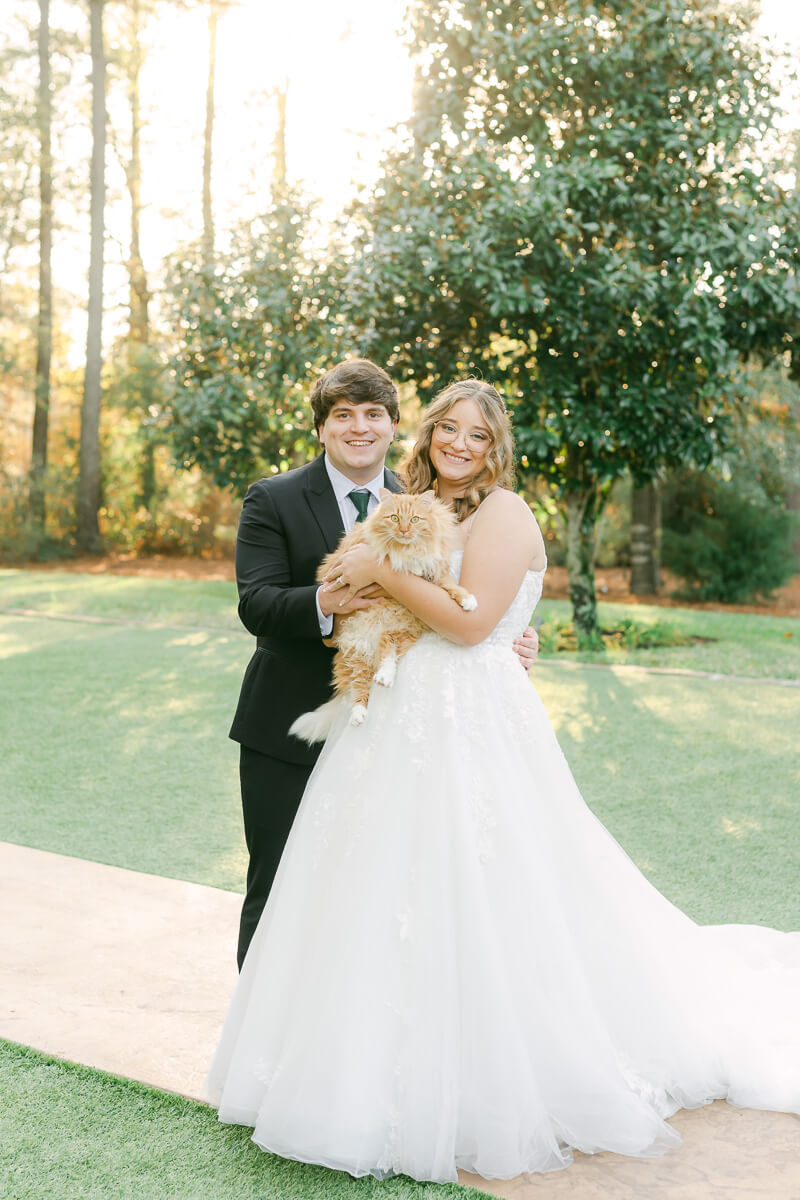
{"x": 330, "y": 604}
{"x": 526, "y": 647}
{"x": 351, "y": 574}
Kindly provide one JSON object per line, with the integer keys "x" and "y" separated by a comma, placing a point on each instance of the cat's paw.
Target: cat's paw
{"x": 386, "y": 672}
{"x": 468, "y": 603}
{"x": 358, "y": 715}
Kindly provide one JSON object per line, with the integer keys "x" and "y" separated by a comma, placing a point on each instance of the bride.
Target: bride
{"x": 458, "y": 967}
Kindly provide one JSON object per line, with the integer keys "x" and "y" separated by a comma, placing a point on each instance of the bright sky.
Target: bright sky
{"x": 349, "y": 81}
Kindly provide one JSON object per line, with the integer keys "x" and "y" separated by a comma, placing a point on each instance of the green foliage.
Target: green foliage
{"x": 612, "y": 531}
{"x": 725, "y": 544}
{"x": 21, "y": 536}
{"x": 764, "y": 452}
{"x": 582, "y": 213}
{"x": 251, "y": 328}
{"x": 727, "y": 531}
{"x": 556, "y": 635}
{"x": 186, "y": 513}
{"x": 135, "y": 386}
{"x": 148, "y": 507}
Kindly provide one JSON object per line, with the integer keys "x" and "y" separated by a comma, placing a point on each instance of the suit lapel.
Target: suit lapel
{"x": 323, "y": 504}
{"x": 390, "y": 481}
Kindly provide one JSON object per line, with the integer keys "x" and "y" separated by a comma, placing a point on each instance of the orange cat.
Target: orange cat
{"x": 417, "y": 535}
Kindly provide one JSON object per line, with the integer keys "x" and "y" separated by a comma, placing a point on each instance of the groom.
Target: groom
{"x": 288, "y": 524}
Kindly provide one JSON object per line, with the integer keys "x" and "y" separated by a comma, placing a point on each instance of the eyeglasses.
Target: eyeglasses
{"x": 448, "y": 432}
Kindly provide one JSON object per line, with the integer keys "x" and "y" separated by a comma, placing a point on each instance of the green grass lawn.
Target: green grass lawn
{"x": 68, "y": 1133}
{"x": 183, "y": 602}
{"x": 744, "y": 643}
{"x": 115, "y": 744}
{"x": 115, "y": 749}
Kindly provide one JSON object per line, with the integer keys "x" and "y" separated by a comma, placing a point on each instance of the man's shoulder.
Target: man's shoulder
{"x": 392, "y": 480}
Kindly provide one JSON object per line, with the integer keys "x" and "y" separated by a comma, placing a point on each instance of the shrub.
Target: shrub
{"x": 21, "y": 538}
{"x": 725, "y": 543}
{"x": 558, "y": 635}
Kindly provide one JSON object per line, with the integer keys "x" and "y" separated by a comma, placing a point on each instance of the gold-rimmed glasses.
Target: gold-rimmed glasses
{"x": 448, "y": 431}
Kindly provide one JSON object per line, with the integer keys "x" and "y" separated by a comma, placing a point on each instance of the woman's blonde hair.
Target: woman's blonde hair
{"x": 418, "y": 471}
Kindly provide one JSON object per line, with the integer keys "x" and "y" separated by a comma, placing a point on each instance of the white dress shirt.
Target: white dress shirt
{"x": 341, "y": 487}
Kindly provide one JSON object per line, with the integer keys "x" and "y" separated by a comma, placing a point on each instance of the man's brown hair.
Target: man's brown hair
{"x": 357, "y": 380}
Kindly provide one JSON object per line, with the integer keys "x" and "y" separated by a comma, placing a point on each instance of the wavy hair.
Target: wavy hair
{"x": 419, "y": 472}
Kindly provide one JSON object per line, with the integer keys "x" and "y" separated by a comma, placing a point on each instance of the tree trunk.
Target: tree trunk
{"x": 646, "y": 539}
{"x": 147, "y": 472}
{"x": 139, "y": 330}
{"x": 139, "y": 325}
{"x": 88, "y": 532}
{"x": 44, "y": 327}
{"x": 582, "y": 514}
{"x": 208, "y": 216}
{"x": 793, "y": 490}
{"x": 279, "y": 170}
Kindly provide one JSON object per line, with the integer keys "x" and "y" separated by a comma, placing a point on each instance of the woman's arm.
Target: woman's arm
{"x": 505, "y": 539}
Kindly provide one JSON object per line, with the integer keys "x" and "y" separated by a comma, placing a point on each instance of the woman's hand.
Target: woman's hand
{"x": 354, "y": 571}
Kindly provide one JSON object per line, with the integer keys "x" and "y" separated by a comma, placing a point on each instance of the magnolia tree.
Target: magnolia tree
{"x": 251, "y": 327}
{"x": 586, "y": 210}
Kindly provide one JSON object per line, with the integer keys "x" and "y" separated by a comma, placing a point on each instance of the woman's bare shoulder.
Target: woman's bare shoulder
{"x": 503, "y": 504}
{"x": 508, "y": 518}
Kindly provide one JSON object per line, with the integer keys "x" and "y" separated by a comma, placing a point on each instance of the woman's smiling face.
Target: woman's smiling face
{"x": 459, "y": 445}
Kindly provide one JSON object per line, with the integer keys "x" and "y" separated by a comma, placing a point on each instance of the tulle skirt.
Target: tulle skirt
{"x": 459, "y": 968}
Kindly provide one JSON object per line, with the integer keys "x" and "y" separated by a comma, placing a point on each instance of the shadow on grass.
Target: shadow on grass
{"x": 117, "y": 749}
{"x": 175, "y": 601}
{"x": 743, "y": 644}
{"x": 696, "y": 779}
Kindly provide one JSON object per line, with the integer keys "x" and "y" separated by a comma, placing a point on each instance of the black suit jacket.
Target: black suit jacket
{"x": 288, "y": 524}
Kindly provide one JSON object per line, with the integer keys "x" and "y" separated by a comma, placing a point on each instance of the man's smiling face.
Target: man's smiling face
{"x": 356, "y": 438}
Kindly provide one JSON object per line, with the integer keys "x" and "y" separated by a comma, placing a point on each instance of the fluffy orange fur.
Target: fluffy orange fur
{"x": 417, "y": 535}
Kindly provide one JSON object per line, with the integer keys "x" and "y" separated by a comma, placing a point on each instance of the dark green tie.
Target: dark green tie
{"x": 361, "y": 501}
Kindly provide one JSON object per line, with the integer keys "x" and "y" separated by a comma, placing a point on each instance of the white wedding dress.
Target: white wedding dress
{"x": 459, "y": 967}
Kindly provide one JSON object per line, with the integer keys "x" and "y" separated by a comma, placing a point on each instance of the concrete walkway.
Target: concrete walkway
{"x": 126, "y": 972}
{"x": 131, "y": 974}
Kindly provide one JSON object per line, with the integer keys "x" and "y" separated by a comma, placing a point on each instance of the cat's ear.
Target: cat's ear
{"x": 384, "y": 493}
{"x": 427, "y": 497}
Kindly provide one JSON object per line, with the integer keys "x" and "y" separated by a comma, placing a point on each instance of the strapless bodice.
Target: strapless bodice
{"x": 519, "y": 612}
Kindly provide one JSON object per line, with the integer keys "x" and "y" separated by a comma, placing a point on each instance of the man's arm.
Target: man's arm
{"x": 268, "y": 604}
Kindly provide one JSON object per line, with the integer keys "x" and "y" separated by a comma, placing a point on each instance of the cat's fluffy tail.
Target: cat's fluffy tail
{"x": 315, "y": 726}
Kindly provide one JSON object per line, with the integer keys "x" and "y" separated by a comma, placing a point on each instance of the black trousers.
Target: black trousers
{"x": 271, "y": 794}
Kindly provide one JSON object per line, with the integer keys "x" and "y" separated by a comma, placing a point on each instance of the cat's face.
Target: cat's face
{"x": 410, "y": 521}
